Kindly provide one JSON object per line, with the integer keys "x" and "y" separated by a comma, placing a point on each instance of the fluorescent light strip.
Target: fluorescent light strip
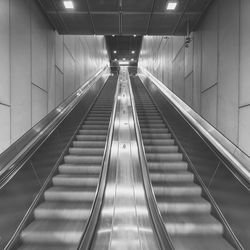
{"x": 123, "y": 63}
{"x": 171, "y": 5}
{"x": 68, "y": 4}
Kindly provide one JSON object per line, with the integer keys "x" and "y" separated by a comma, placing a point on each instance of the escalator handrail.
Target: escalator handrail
{"x": 88, "y": 235}
{"x": 15, "y": 156}
{"x": 238, "y": 159}
{"x": 161, "y": 232}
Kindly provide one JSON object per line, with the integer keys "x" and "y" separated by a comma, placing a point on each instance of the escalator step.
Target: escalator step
{"x": 92, "y": 132}
{"x": 89, "y": 144}
{"x": 156, "y": 136}
{"x": 183, "y": 204}
{"x": 74, "y": 180}
{"x": 86, "y": 151}
{"x": 192, "y": 224}
{"x": 164, "y": 157}
{"x": 165, "y": 166}
{"x": 80, "y": 169}
{"x": 69, "y": 194}
{"x": 63, "y": 211}
{"x": 52, "y": 231}
{"x": 161, "y": 149}
{"x": 158, "y": 142}
{"x": 182, "y": 176}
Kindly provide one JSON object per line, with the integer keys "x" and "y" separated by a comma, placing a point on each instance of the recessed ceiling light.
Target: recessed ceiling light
{"x": 68, "y": 4}
{"x": 132, "y": 51}
{"x": 171, "y": 5}
{"x": 123, "y": 59}
{"x": 115, "y": 51}
{"x": 115, "y": 59}
{"x": 132, "y": 59}
{"x": 113, "y": 35}
{"x": 134, "y": 35}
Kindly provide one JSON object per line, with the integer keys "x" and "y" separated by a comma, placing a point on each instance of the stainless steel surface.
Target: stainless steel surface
{"x": 187, "y": 216}
{"x": 59, "y": 220}
{"x": 162, "y": 234}
{"x": 124, "y": 219}
{"x": 237, "y": 158}
{"x": 12, "y": 159}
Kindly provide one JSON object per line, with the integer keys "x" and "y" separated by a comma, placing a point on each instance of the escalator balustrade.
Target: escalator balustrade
{"x": 60, "y": 219}
{"x": 186, "y": 214}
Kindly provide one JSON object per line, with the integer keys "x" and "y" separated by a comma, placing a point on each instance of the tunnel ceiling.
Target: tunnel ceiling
{"x": 124, "y": 47}
{"x": 124, "y": 17}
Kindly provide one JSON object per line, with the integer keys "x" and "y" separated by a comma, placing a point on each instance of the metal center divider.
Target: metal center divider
{"x": 121, "y": 218}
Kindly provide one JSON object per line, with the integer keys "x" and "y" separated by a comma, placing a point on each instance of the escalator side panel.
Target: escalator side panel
{"x": 19, "y": 193}
{"x": 228, "y": 192}
{"x": 186, "y": 214}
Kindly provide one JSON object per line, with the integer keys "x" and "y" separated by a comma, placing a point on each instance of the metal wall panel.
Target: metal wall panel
{"x": 4, "y": 52}
{"x": 189, "y": 90}
{"x": 39, "y": 104}
{"x": 5, "y": 127}
{"x": 228, "y": 69}
{"x": 39, "y": 43}
{"x": 244, "y": 125}
{"x": 59, "y": 87}
{"x": 210, "y": 48}
{"x": 244, "y": 52}
{"x": 209, "y": 104}
{"x": 20, "y": 67}
{"x": 59, "y": 51}
{"x": 69, "y": 73}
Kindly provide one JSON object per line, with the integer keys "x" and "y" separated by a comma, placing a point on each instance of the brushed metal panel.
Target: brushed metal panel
{"x": 39, "y": 104}
{"x": 20, "y": 67}
{"x": 244, "y": 125}
{"x": 51, "y": 71}
{"x": 210, "y": 48}
{"x": 69, "y": 74}
{"x": 69, "y": 43}
{"x": 178, "y": 74}
{"x": 59, "y": 51}
{"x": 228, "y": 69}
{"x": 209, "y": 105}
{"x": 5, "y": 127}
{"x": 4, "y": 52}
{"x": 39, "y": 50}
{"x": 189, "y": 90}
{"x": 197, "y": 71}
{"x": 59, "y": 86}
{"x": 244, "y": 52}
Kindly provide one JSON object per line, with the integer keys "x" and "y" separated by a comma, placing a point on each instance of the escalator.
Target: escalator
{"x": 185, "y": 212}
{"x": 59, "y": 220}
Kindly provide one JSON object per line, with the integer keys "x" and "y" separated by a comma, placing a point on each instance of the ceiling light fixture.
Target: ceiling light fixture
{"x": 123, "y": 63}
{"x": 171, "y": 5}
{"x": 68, "y": 4}
{"x": 123, "y": 59}
{"x": 132, "y": 51}
{"x": 132, "y": 59}
{"x": 113, "y": 35}
{"x": 115, "y": 51}
{"x": 134, "y": 35}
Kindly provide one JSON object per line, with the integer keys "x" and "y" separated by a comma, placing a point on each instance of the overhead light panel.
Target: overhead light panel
{"x": 132, "y": 59}
{"x": 68, "y": 4}
{"x": 115, "y": 51}
{"x": 123, "y": 63}
{"x": 171, "y": 5}
{"x": 123, "y": 59}
{"x": 134, "y": 35}
{"x": 132, "y": 51}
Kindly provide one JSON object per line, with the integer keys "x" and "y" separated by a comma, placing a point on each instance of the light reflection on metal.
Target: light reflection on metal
{"x": 124, "y": 220}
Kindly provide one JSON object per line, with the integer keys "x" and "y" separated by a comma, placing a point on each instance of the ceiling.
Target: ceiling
{"x": 124, "y": 17}
{"x": 121, "y": 47}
